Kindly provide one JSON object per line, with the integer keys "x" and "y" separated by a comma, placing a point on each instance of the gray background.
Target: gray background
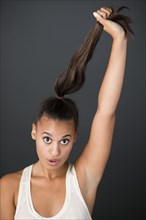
{"x": 38, "y": 39}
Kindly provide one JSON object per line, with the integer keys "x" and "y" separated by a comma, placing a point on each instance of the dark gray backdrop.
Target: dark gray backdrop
{"x": 37, "y": 40}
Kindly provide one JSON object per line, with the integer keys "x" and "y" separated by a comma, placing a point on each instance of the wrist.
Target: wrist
{"x": 119, "y": 36}
{"x": 120, "y": 39}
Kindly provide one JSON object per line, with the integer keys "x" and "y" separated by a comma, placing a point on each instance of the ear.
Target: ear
{"x": 33, "y": 132}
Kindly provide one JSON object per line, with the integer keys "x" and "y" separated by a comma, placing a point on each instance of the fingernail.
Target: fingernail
{"x": 95, "y": 14}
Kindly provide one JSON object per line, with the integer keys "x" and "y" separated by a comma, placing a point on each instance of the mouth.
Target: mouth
{"x": 53, "y": 162}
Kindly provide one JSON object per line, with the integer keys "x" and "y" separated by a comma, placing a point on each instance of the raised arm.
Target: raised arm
{"x": 91, "y": 163}
{"x": 111, "y": 87}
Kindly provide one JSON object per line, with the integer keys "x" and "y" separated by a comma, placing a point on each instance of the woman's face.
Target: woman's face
{"x": 54, "y": 141}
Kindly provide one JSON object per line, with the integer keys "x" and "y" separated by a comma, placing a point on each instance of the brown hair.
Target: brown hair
{"x": 73, "y": 78}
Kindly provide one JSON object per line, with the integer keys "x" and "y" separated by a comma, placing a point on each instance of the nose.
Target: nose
{"x": 55, "y": 150}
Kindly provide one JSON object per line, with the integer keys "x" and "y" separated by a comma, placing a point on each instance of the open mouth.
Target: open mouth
{"x": 53, "y": 162}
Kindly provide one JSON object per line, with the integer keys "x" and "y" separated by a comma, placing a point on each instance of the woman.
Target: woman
{"x": 51, "y": 188}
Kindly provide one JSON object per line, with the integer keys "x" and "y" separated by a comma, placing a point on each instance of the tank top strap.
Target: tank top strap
{"x": 74, "y": 180}
{"x": 25, "y": 177}
{"x": 27, "y": 174}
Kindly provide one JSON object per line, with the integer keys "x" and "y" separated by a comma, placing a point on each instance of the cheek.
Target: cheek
{"x": 67, "y": 150}
{"x": 40, "y": 148}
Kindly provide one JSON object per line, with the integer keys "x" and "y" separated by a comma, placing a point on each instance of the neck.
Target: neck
{"x": 42, "y": 171}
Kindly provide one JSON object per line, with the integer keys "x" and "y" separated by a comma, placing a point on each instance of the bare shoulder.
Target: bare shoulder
{"x": 9, "y": 186}
{"x": 10, "y": 181}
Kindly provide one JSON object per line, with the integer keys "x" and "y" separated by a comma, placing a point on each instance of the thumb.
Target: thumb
{"x": 99, "y": 18}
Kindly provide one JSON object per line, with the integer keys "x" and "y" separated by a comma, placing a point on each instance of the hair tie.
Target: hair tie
{"x": 60, "y": 97}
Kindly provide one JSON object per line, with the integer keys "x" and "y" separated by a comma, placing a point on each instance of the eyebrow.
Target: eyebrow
{"x": 51, "y": 134}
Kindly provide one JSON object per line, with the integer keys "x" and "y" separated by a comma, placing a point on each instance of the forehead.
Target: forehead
{"x": 55, "y": 126}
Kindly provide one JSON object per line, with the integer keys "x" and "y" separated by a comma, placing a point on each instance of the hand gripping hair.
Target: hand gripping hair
{"x": 73, "y": 78}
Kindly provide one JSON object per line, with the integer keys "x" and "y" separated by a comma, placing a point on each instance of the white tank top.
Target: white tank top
{"x": 74, "y": 206}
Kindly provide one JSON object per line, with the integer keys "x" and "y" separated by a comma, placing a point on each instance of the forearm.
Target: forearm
{"x": 111, "y": 87}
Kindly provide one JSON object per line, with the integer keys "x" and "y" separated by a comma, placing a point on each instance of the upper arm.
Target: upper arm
{"x": 94, "y": 157}
{"x": 7, "y": 207}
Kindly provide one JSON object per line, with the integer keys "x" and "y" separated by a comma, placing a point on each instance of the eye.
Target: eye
{"x": 65, "y": 141}
{"x": 47, "y": 140}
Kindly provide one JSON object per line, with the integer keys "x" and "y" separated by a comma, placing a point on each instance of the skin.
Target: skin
{"x": 91, "y": 163}
{"x": 54, "y": 140}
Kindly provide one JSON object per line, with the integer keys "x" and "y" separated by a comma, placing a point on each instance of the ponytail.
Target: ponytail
{"x": 73, "y": 78}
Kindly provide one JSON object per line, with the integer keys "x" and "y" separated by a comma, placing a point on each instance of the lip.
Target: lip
{"x": 53, "y": 162}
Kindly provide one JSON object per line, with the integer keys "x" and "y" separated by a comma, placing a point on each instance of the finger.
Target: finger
{"x": 102, "y": 13}
{"x": 108, "y": 12}
{"x": 99, "y": 18}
